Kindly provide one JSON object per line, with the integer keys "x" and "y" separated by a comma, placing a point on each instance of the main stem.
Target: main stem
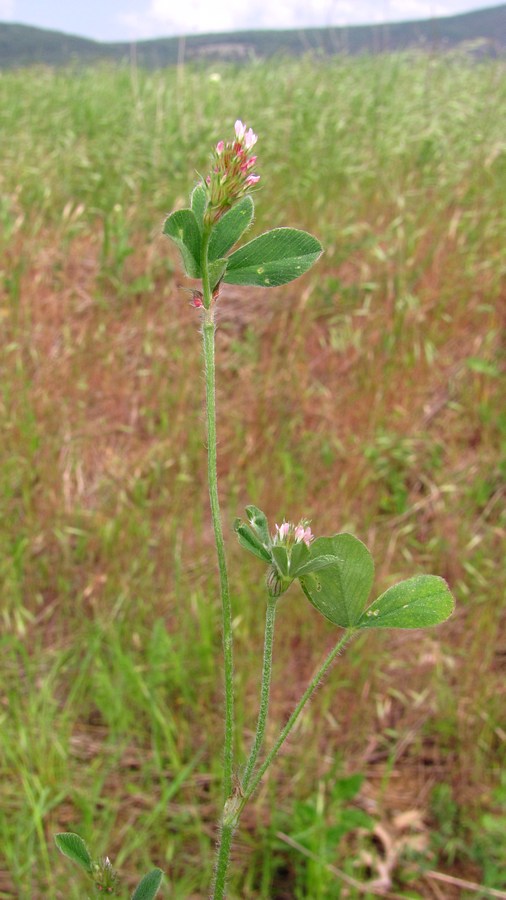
{"x": 209, "y": 362}
{"x": 233, "y": 804}
{"x": 223, "y": 857}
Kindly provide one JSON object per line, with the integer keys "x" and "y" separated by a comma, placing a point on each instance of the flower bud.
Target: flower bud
{"x": 275, "y": 583}
{"x": 105, "y": 877}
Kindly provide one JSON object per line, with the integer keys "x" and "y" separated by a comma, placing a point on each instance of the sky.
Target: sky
{"x": 127, "y": 20}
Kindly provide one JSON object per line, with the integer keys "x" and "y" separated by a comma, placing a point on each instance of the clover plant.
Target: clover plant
{"x": 335, "y": 572}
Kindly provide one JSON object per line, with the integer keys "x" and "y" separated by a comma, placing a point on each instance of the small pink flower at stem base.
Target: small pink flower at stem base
{"x": 197, "y": 297}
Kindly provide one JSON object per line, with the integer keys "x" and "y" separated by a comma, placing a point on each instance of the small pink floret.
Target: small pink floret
{"x": 308, "y": 536}
{"x": 303, "y": 533}
{"x": 220, "y": 146}
{"x": 283, "y": 530}
{"x": 240, "y": 130}
{"x": 248, "y": 163}
{"x": 252, "y": 179}
{"x": 299, "y": 533}
{"x": 250, "y": 138}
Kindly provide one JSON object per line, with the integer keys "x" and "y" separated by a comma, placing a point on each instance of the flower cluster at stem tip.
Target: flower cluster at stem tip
{"x": 106, "y": 879}
{"x": 288, "y": 534}
{"x": 231, "y": 176}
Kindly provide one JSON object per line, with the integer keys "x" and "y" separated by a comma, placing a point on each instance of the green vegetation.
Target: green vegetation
{"x": 482, "y": 31}
{"x": 370, "y": 394}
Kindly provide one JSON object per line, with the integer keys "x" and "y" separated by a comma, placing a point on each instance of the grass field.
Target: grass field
{"x": 368, "y": 396}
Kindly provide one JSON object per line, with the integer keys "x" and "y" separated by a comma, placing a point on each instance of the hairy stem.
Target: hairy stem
{"x": 208, "y": 347}
{"x": 222, "y": 861}
{"x": 311, "y": 688}
{"x": 264, "y": 692}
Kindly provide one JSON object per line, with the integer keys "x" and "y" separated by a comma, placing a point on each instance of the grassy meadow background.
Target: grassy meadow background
{"x": 367, "y": 396}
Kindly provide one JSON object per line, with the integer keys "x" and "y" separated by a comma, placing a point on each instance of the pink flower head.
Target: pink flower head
{"x": 289, "y": 534}
{"x": 230, "y": 177}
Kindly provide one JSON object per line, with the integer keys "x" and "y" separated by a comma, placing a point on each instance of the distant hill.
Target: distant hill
{"x": 483, "y": 31}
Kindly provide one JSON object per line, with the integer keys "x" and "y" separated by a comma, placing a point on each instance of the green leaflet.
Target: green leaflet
{"x": 198, "y": 203}
{"x": 299, "y": 557}
{"x": 415, "y": 603}
{"x": 216, "y": 270}
{"x": 339, "y": 590}
{"x": 280, "y": 557}
{"x": 274, "y": 258}
{"x": 182, "y": 228}
{"x": 148, "y": 887}
{"x": 248, "y": 539}
{"x": 258, "y": 521}
{"x": 73, "y": 847}
{"x": 230, "y": 227}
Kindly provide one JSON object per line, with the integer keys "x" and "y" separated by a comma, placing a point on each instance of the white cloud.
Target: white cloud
{"x": 168, "y": 17}
{"x": 180, "y": 17}
{"x": 6, "y": 9}
{"x": 415, "y": 9}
